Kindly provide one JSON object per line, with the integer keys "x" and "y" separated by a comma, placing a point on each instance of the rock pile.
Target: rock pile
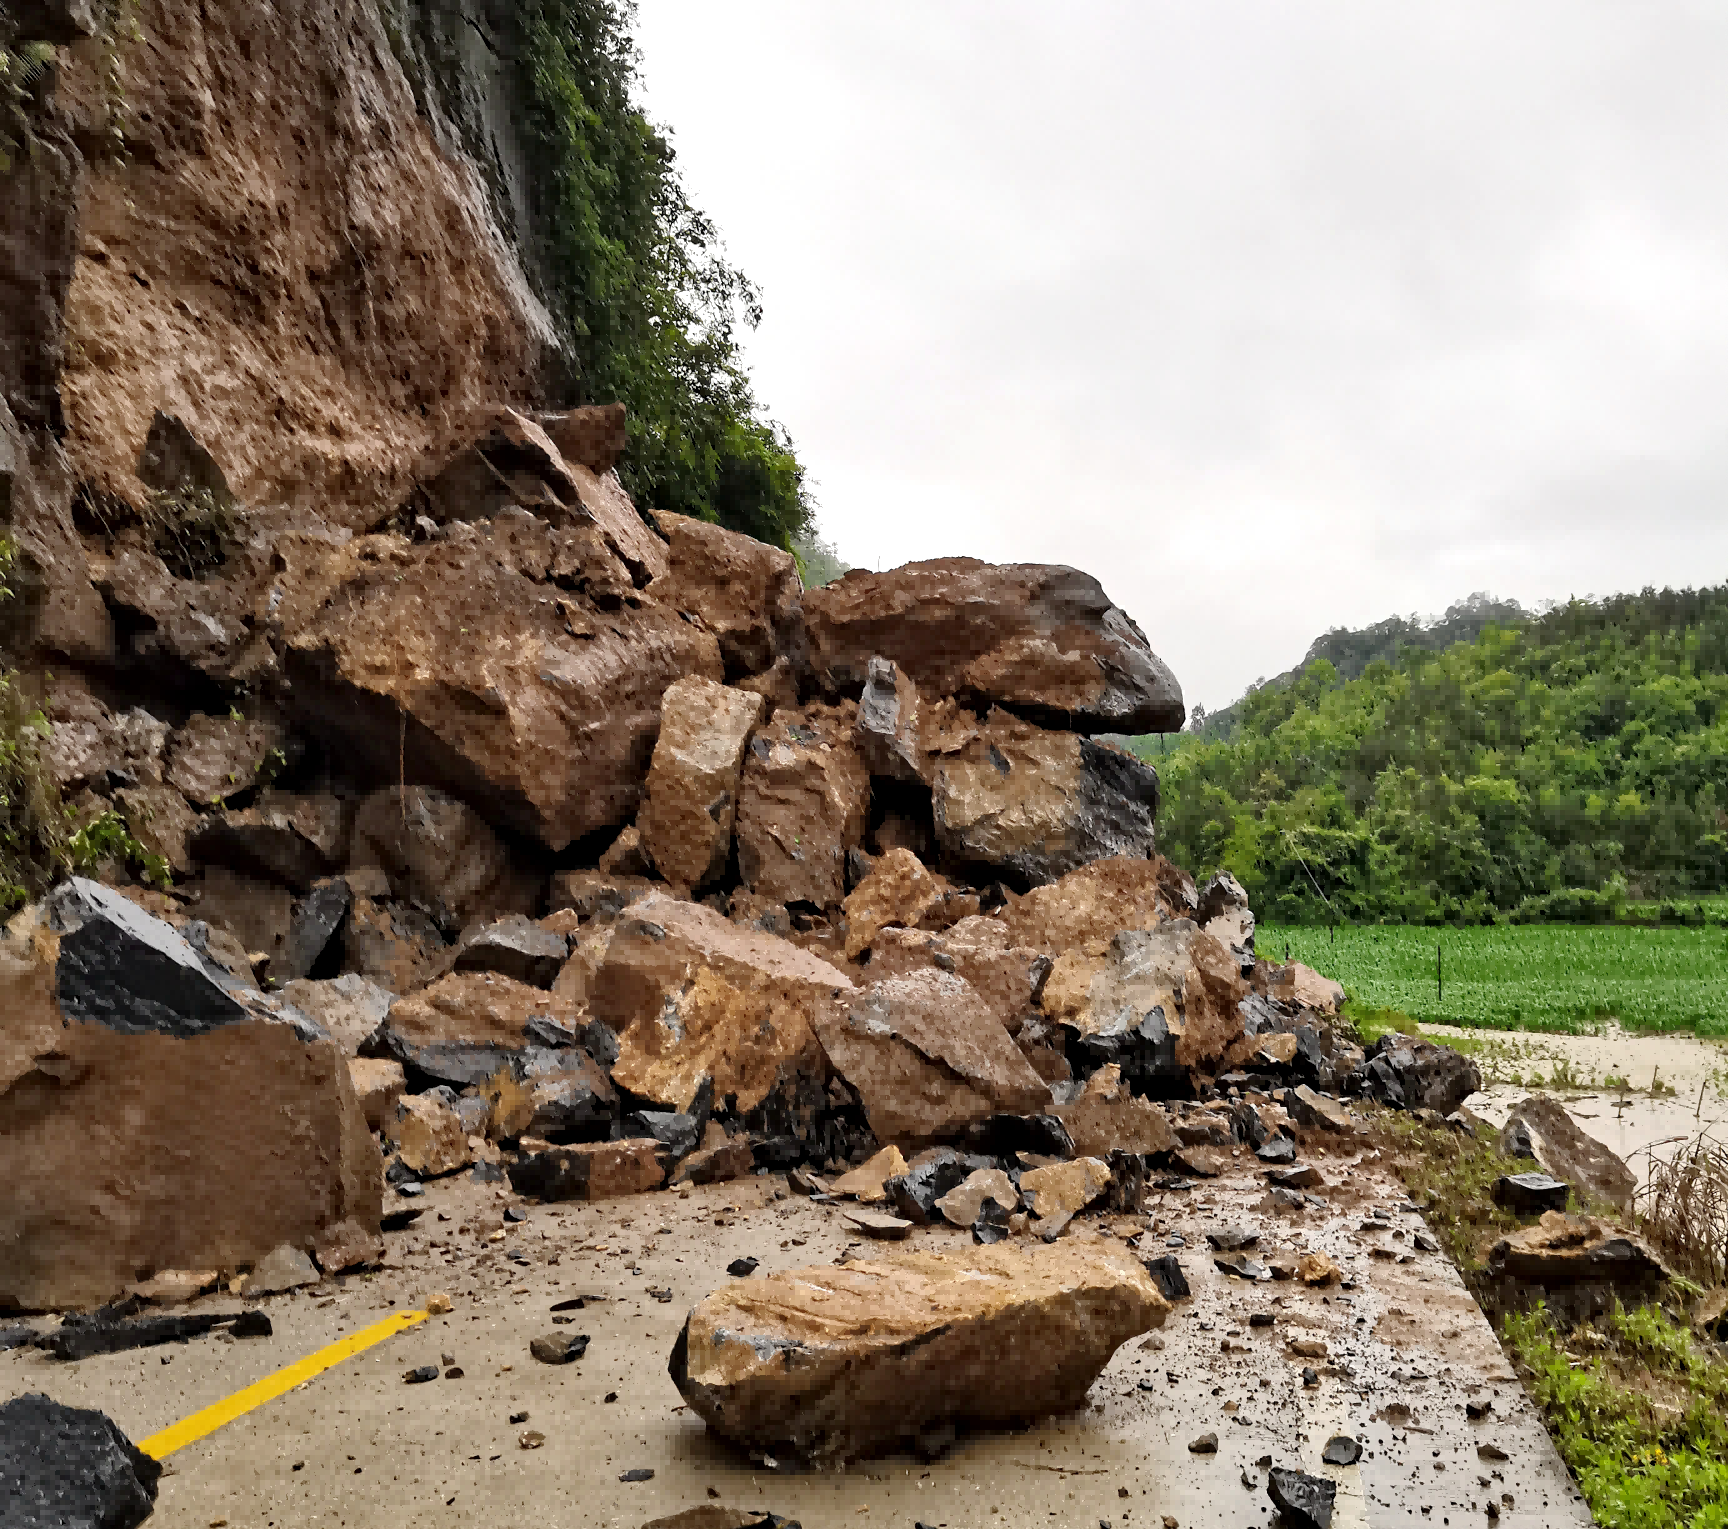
{"x": 530, "y": 832}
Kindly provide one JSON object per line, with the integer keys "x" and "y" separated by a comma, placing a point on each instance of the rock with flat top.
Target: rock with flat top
{"x": 926, "y": 1057}
{"x": 865, "y": 1182}
{"x": 830, "y": 1363}
{"x": 515, "y": 947}
{"x": 467, "y": 1026}
{"x": 1060, "y": 1192}
{"x": 1528, "y": 1194}
{"x": 1303, "y": 1501}
{"x": 899, "y": 891}
{"x": 587, "y": 1170}
{"x": 743, "y": 591}
{"x": 1539, "y": 1127}
{"x": 1042, "y": 640}
{"x": 686, "y": 821}
{"x": 964, "y": 1203}
{"x": 284, "y": 1267}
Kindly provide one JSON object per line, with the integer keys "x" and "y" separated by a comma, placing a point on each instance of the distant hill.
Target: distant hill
{"x": 1350, "y": 652}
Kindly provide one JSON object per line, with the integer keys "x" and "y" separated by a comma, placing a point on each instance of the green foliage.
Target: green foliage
{"x": 638, "y": 279}
{"x": 1452, "y": 1175}
{"x": 1552, "y": 978}
{"x": 192, "y": 529}
{"x": 21, "y": 66}
{"x": 1585, "y": 750}
{"x": 819, "y": 561}
{"x": 1638, "y": 1412}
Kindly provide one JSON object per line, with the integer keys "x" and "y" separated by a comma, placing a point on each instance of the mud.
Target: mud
{"x": 358, "y": 1446}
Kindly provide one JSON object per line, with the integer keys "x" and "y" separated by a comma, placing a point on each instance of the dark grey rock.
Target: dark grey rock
{"x": 1305, "y": 1501}
{"x": 1003, "y": 1136}
{"x": 914, "y": 1194}
{"x": 742, "y": 1268}
{"x": 173, "y": 461}
{"x": 1206, "y": 1444}
{"x": 1307, "y": 1176}
{"x": 1408, "y": 1072}
{"x": 1167, "y": 1275}
{"x": 636, "y": 1475}
{"x": 70, "y": 1468}
{"x": 573, "y": 1098}
{"x": 420, "y": 1374}
{"x": 515, "y": 1214}
{"x": 1341, "y": 1449}
{"x": 1276, "y": 1149}
{"x": 1233, "y": 1238}
{"x": 316, "y": 919}
{"x": 1529, "y": 1194}
{"x": 107, "y": 1332}
{"x": 514, "y": 947}
{"x": 17, "y": 1337}
{"x": 559, "y": 1348}
{"x": 677, "y": 1133}
{"x": 56, "y": 21}
{"x": 1239, "y": 1264}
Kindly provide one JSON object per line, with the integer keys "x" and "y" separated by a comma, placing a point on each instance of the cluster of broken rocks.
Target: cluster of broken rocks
{"x": 539, "y": 837}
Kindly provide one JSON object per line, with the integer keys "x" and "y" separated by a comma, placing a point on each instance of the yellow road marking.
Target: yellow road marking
{"x": 209, "y": 1419}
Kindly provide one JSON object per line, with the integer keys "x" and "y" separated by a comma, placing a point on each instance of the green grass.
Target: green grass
{"x": 1524, "y": 977}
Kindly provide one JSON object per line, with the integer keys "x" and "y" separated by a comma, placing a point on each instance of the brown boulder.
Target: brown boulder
{"x": 596, "y": 1170}
{"x": 1540, "y": 1128}
{"x": 112, "y": 1022}
{"x": 927, "y": 1057}
{"x": 866, "y": 1180}
{"x": 1085, "y": 909}
{"x": 692, "y": 793}
{"x": 291, "y": 840}
{"x": 437, "y": 852}
{"x": 696, "y": 998}
{"x": 898, "y": 891}
{"x": 591, "y": 436}
{"x": 744, "y": 591}
{"x": 1298, "y": 984}
{"x": 1059, "y": 1192}
{"x": 350, "y": 1008}
{"x": 378, "y": 1084}
{"x": 1043, "y": 640}
{"x": 467, "y": 1026}
{"x": 428, "y": 1135}
{"x": 803, "y": 802}
{"x": 158, "y": 817}
{"x": 536, "y": 702}
{"x": 830, "y": 1363}
{"x": 397, "y": 948}
{"x": 964, "y": 1203}
{"x": 1107, "y": 1117}
{"x": 1031, "y": 805}
{"x": 1008, "y": 979}
{"x": 213, "y": 758}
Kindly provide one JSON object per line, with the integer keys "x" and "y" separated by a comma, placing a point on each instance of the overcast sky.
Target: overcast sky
{"x": 1273, "y": 316}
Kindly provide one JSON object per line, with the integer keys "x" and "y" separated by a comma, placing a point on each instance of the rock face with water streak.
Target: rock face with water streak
{"x": 831, "y": 1363}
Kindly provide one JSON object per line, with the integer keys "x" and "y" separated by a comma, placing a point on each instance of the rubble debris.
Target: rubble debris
{"x": 1539, "y": 1127}
{"x": 866, "y": 1181}
{"x": 72, "y": 1466}
{"x": 467, "y": 1026}
{"x": 1318, "y": 1112}
{"x": 744, "y": 591}
{"x": 831, "y": 1363}
{"x": 1529, "y": 1194}
{"x": 1107, "y": 1117}
{"x": 1318, "y": 1269}
{"x": 1304, "y": 1501}
{"x": 1059, "y": 1193}
{"x": 878, "y": 1224}
{"x": 742, "y": 1268}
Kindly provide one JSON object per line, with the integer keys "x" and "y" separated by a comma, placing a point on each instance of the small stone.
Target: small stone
{"x": 877, "y": 1224}
{"x": 1206, "y": 1444}
{"x": 437, "y": 1304}
{"x": 1170, "y": 1523}
{"x": 742, "y": 1268}
{"x": 518, "y": 1417}
{"x": 1167, "y": 1275}
{"x": 636, "y": 1475}
{"x": 1276, "y": 1149}
{"x": 1341, "y": 1449}
{"x": 1305, "y": 1501}
{"x": 531, "y": 1439}
{"x": 1476, "y": 1411}
{"x": 1310, "y": 1376}
{"x": 513, "y": 1214}
{"x": 1239, "y": 1264}
{"x": 1308, "y": 1348}
{"x": 282, "y": 1268}
{"x": 1305, "y": 1177}
{"x": 1529, "y": 1194}
{"x": 1261, "y": 1319}
{"x": 1318, "y": 1269}
{"x": 420, "y": 1375}
{"x": 1491, "y": 1452}
{"x": 454, "y": 1372}
{"x": 559, "y": 1348}
{"x": 1424, "y": 1243}
{"x": 1233, "y": 1238}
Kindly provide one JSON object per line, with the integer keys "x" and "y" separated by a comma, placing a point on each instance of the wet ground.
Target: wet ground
{"x": 1406, "y": 1351}
{"x": 1689, "y": 1077}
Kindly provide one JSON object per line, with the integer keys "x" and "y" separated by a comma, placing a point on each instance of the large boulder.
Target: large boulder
{"x": 1043, "y": 640}
{"x": 349, "y": 1007}
{"x": 1410, "y": 1073}
{"x": 927, "y": 1057}
{"x": 803, "y": 803}
{"x": 743, "y": 591}
{"x": 292, "y": 840}
{"x": 897, "y": 893}
{"x": 70, "y": 1468}
{"x": 468, "y": 1026}
{"x": 1539, "y": 1127}
{"x": 110, "y": 1022}
{"x": 1225, "y": 915}
{"x": 437, "y": 852}
{"x": 213, "y": 758}
{"x": 1009, "y": 979}
{"x": 830, "y": 1363}
{"x": 686, "y": 821}
{"x": 471, "y": 663}
{"x": 889, "y": 724}
{"x": 1578, "y": 1266}
{"x": 1161, "y": 1003}
{"x": 1031, "y": 806}
{"x": 1107, "y": 1116}
{"x": 699, "y": 1002}
{"x": 1085, "y": 909}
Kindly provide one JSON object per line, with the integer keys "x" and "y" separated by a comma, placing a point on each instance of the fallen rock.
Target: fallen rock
{"x": 350, "y": 1007}
{"x": 1341, "y": 1449}
{"x": 397, "y": 948}
{"x": 915, "y": 1192}
{"x": 1167, "y": 1275}
{"x": 1318, "y": 1269}
{"x": 174, "y": 1287}
{"x": 468, "y": 1026}
{"x": 213, "y": 758}
{"x": 558, "y": 1348}
{"x": 1010, "y": 979}
{"x": 1059, "y": 1193}
{"x": 438, "y": 853}
{"x": 730, "y": 1158}
{"x": 1085, "y": 909}
{"x": 515, "y": 947}
{"x": 1304, "y": 1501}
{"x": 1031, "y": 806}
{"x": 158, "y": 817}
{"x": 865, "y": 1182}
{"x": 1565, "y": 1250}
{"x": 1225, "y": 915}
{"x": 1200, "y": 1162}
{"x": 1299, "y": 985}
{"x": 592, "y": 436}
{"x": 878, "y": 1224}
{"x": 713, "y": 1516}
{"x": 926, "y": 1057}
{"x": 889, "y": 719}
{"x": 429, "y": 1135}
{"x": 700, "y": 1002}
{"x": 312, "y": 930}
{"x": 347, "y": 1245}
{"x": 1528, "y": 1194}
{"x": 71, "y": 1466}
{"x": 899, "y": 891}
{"x": 1407, "y": 1072}
{"x": 692, "y": 794}
{"x": 1539, "y": 1127}
{"x": 744, "y": 591}
{"x": 114, "y": 1021}
{"x": 964, "y": 1203}
{"x": 804, "y": 799}
{"x": 1307, "y": 1176}
{"x": 1045, "y": 641}
{"x": 832, "y": 1362}
{"x": 1205, "y": 1444}
{"x": 1318, "y": 1112}
{"x": 284, "y": 1267}
{"x": 1107, "y": 1118}
{"x": 586, "y": 1170}
{"x": 537, "y": 701}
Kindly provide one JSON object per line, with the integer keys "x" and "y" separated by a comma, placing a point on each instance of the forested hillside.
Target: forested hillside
{"x": 1583, "y": 751}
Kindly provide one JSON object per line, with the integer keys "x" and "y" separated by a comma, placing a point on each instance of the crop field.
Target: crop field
{"x": 1524, "y": 977}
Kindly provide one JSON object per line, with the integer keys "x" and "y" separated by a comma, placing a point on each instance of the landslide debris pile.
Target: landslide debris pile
{"x": 535, "y": 833}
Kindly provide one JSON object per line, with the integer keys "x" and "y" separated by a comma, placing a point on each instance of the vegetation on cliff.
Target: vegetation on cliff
{"x": 1558, "y": 766}
{"x": 650, "y": 302}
